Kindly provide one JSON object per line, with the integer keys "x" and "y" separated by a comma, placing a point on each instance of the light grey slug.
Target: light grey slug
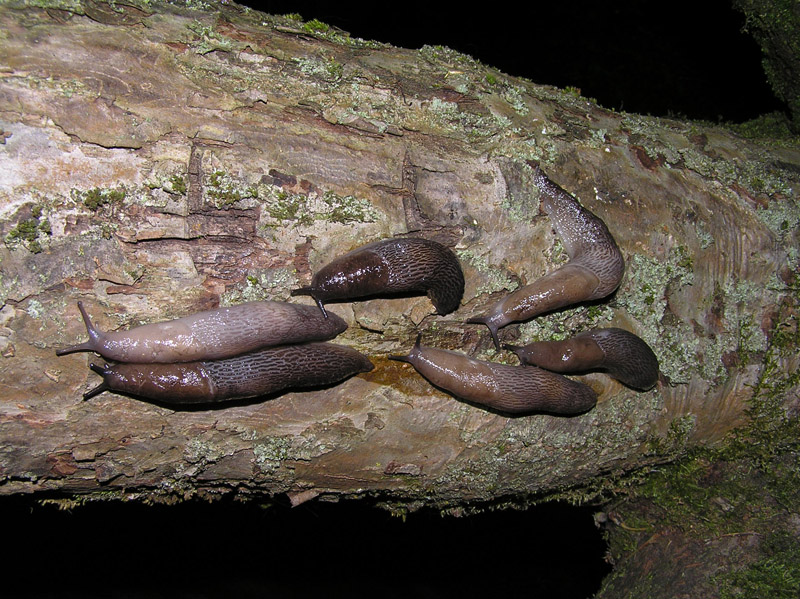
{"x": 621, "y": 354}
{"x": 511, "y": 389}
{"x": 255, "y": 374}
{"x": 211, "y": 335}
{"x": 594, "y": 269}
{"x": 391, "y": 266}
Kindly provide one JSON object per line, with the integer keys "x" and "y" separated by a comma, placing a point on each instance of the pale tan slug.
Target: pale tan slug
{"x": 594, "y": 270}
{"x": 211, "y": 335}
{"x": 509, "y": 389}
{"x": 620, "y": 353}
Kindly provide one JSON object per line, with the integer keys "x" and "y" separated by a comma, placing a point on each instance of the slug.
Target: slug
{"x": 391, "y": 266}
{"x": 510, "y": 389}
{"x": 255, "y": 374}
{"x": 211, "y": 335}
{"x": 621, "y": 354}
{"x": 594, "y": 269}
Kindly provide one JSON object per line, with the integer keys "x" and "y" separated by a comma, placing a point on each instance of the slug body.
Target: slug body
{"x": 263, "y": 372}
{"x": 391, "y": 266}
{"x": 211, "y": 335}
{"x": 594, "y": 270}
{"x": 510, "y": 389}
{"x": 621, "y": 354}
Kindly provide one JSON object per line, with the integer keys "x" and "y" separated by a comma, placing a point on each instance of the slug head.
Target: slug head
{"x": 492, "y": 320}
{"x": 102, "y": 371}
{"x": 309, "y": 290}
{"x": 357, "y": 274}
{"x": 95, "y": 337}
{"x": 577, "y": 354}
{"x": 411, "y": 355}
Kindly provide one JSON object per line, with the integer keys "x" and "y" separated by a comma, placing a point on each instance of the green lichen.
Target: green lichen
{"x": 44, "y": 226}
{"x": 25, "y": 230}
{"x": 225, "y": 191}
{"x": 30, "y": 232}
{"x": 520, "y": 209}
{"x": 495, "y": 279}
{"x": 566, "y": 323}
{"x": 202, "y": 451}
{"x": 327, "y": 69}
{"x": 644, "y": 296}
{"x": 742, "y": 339}
{"x": 97, "y": 197}
{"x": 759, "y": 177}
{"x": 741, "y": 295}
{"x": 206, "y": 39}
{"x": 269, "y": 452}
{"x": 347, "y": 209}
{"x": 705, "y": 238}
{"x": 303, "y": 210}
{"x": 321, "y": 30}
{"x": 287, "y": 206}
{"x": 782, "y": 218}
{"x": 178, "y": 184}
{"x": 447, "y": 57}
{"x": 449, "y": 116}
{"x": 267, "y": 284}
{"x": 514, "y": 95}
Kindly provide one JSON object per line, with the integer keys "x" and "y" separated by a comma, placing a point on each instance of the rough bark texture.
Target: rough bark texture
{"x": 159, "y": 160}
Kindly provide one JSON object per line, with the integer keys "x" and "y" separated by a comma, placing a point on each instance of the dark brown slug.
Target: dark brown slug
{"x": 594, "y": 270}
{"x": 510, "y": 389}
{"x": 211, "y": 335}
{"x": 255, "y": 374}
{"x": 391, "y": 266}
{"x": 621, "y": 354}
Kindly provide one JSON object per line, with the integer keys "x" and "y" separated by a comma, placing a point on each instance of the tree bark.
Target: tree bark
{"x": 160, "y": 160}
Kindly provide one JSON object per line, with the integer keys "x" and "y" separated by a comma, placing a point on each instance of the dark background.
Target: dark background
{"x": 666, "y": 59}
{"x": 317, "y": 550}
{"x": 675, "y": 58}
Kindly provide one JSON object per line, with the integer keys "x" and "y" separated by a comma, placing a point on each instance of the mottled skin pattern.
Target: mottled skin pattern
{"x": 391, "y": 266}
{"x": 509, "y": 389}
{"x": 211, "y": 335}
{"x": 621, "y": 354}
{"x": 594, "y": 270}
{"x": 255, "y": 374}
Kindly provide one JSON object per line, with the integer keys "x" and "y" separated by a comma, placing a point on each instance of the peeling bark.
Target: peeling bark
{"x": 163, "y": 160}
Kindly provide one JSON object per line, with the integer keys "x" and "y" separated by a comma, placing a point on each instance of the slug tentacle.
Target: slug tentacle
{"x": 621, "y": 354}
{"x": 212, "y": 334}
{"x": 509, "y": 389}
{"x": 594, "y": 270}
{"x": 310, "y": 291}
{"x": 414, "y": 351}
{"x": 94, "y": 335}
{"x": 388, "y": 267}
{"x": 102, "y": 371}
{"x": 254, "y": 374}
